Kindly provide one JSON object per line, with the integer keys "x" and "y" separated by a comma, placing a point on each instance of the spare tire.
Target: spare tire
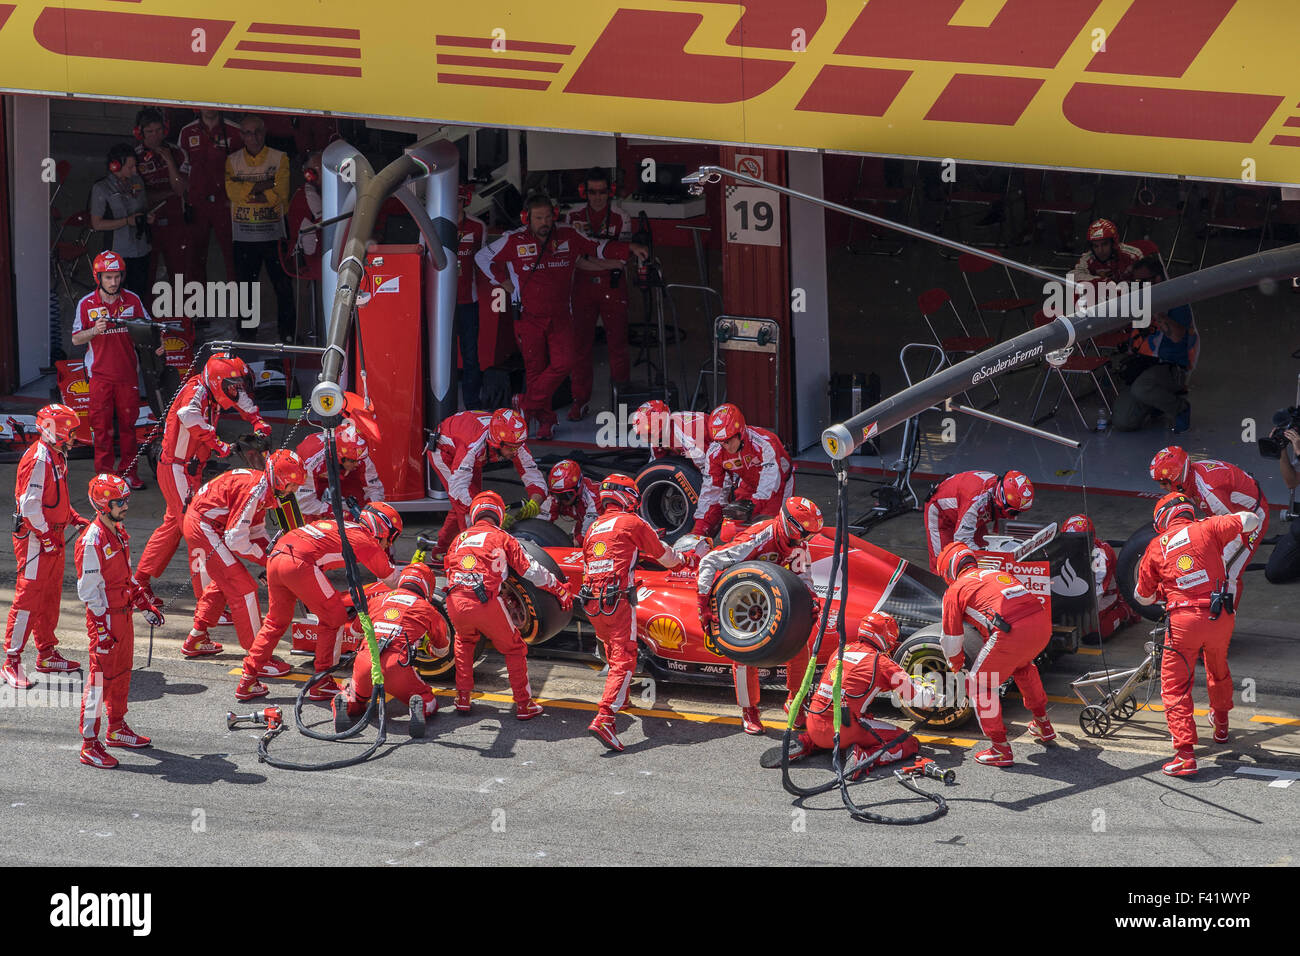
{"x": 764, "y": 614}
{"x": 922, "y": 656}
{"x": 1126, "y": 568}
{"x": 541, "y": 532}
{"x": 537, "y": 614}
{"x": 670, "y": 490}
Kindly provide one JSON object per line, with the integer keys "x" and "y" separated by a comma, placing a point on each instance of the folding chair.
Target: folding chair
{"x": 1060, "y": 207}
{"x": 1246, "y": 210}
{"x": 1073, "y": 365}
{"x": 1144, "y": 207}
{"x": 958, "y": 347}
{"x": 68, "y": 255}
{"x": 974, "y": 197}
{"x": 973, "y": 265}
{"x": 871, "y": 194}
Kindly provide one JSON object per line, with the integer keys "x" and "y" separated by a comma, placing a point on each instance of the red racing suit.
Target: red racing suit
{"x": 103, "y": 562}
{"x": 1113, "y": 610}
{"x": 189, "y": 438}
{"x": 1221, "y": 488}
{"x": 295, "y": 572}
{"x": 542, "y": 274}
{"x": 762, "y": 472}
{"x": 363, "y": 483}
{"x": 610, "y": 551}
{"x": 113, "y": 371}
{"x": 207, "y": 150}
{"x": 43, "y": 510}
{"x": 480, "y": 558}
{"x": 226, "y": 521}
{"x": 686, "y": 435}
{"x": 582, "y": 512}
{"x": 402, "y": 619}
{"x": 1118, "y": 268}
{"x": 867, "y": 672}
{"x": 170, "y": 232}
{"x": 961, "y": 509}
{"x": 1184, "y": 565}
{"x": 471, "y": 236}
{"x": 761, "y": 542}
{"x": 594, "y": 298}
{"x": 458, "y": 457}
{"x": 980, "y": 598}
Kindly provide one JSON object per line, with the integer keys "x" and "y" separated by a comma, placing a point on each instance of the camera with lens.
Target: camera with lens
{"x": 1273, "y": 445}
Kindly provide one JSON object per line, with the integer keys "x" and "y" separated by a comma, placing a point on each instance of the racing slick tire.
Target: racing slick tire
{"x": 538, "y": 615}
{"x": 922, "y": 656}
{"x": 764, "y": 613}
{"x": 670, "y": 490}
{"x": 541, "y": 532}
{"x": 1126, "y": 568}
{"x": 432, "y": 668}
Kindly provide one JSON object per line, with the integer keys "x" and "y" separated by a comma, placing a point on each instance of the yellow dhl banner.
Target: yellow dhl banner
{"x": 1203, "y": 88}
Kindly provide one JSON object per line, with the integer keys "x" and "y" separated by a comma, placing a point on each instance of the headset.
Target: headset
{"x": 147, "y": 116}
{"x": 524, "y": 213}
{"x": 310, "y": 175}
{"x": 119, "y": 154}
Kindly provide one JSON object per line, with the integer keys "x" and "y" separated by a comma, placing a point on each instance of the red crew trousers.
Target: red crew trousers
{"x": 592, "y": 301}
{"x": 222, "y": 580}
{"x": 452, "y": 525}
{"x": 546, "y": 342}
{"x": 470, "y": 620}
{"x": 37, "y": 593}
{"x": 109, "y": 400}
{"x": 746, "y": 678}
{"x": 108, "y": 681}
{"x": 1009, "y": 655}
{"x": 288, "y": 581}
{"x": 214, "y": 216}
{"x": 877, "y": 735}
{"x": 1191, "y": 635}
{"x": 400, "y": 681}
{"x": 173, "y": 242}
{"x": 617, "y": 632}
{"x": 177, "y": 487}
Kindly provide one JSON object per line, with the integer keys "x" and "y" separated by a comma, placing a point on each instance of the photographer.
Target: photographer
{"x": 1284, "y": 563}
{"x": 119, "y": 206}
{"x": 1156, "y": 372}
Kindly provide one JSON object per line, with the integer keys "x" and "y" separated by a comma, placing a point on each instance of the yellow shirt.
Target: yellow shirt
{"x": 253, "y": 220}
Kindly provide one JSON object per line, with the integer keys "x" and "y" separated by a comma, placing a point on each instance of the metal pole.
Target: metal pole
{"x": 1017, "y": 426}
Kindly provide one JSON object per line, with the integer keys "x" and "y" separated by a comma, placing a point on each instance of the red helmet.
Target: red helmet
{"x": 954, "y": 559}
{"x": 418, "y": 577}
{"x": 564, "y": 478}
{"x": 799, "y": 518}
{"x": 382, "y": 521}
{"x": 105, "y": 489}
{"x": 880, "y": 629}
{"x": 349, "y": 443}
{"x": 284, "y": 469}
{"x": 618, "y": 491}
{"x": 107, "y": 262}
{"x": 1102, "y": 229}
{"x": 225, "y": 377}
{"x": 57, "y": 423}
{"x": 726, "y": 422}
{"x": 487, "y": 503}
{"x": 1170, "y": 464}
{"x": 1174, "y": 506}
{"x": 650, "y": 419}
{"x": 1079, "y": 523}
{"x": 1015, "y": 493}
{"x": 506, "y": 428}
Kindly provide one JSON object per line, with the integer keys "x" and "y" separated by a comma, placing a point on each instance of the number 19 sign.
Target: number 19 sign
{"x": 753, "y": 216}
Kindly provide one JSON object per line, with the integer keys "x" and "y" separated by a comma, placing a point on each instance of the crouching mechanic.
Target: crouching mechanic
{"x": 405, "y": 622}
{"x": 571, "y": 495}
{"x": 1114, "y": 612}
{"x": 672, "y": 433}
{"x": 103, "y": 561}
{"x": 295, "y": 572}
{"x": 358, "y": 478}
{"x": 1015, "y": 626}
{"x": 465, "y": 442}
{"x": 752, "y": 460}
{"x": 781, "y": 540}
{"x": 868, "y": 671}
{"x": 1183, "y": 565}
{"x": 189, "y": 439}
{"x": 227, "y": 521}
{"x": 610, "y": 552}
{"x": 43, "y": 508}
{"x": 477, "y": 564}
{"x": 966, "y": 506}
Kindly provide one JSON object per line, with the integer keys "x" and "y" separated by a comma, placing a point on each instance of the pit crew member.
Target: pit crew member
{"x": 570, "y": 495}
{"x": 1114, "y": 612}
{"x": 965, "y": 507}
{"x": 358, "y": 477}
{"x": 672, "y": 433}
{"x": 753, "y": 458}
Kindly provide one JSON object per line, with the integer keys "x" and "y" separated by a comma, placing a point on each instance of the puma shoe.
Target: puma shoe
{"x": 1183, "y": 765}
{"x": 1042, "y": 730}
{"x": 225, "y": 620}
{"x": 14, "y": 674}
{"x": 93, "y": 754}
{"x": 800, "y": 747}
{"x": 860, "y": 762}
{"x": 198, "y": 645}
{"x": 250, "y": 688}
{"x": 274, "y": 668}
{"x": 750, "y": 721}
{"x": 602, "y": 728}
{"x": 463, "y": 703}
{"x": 325, "y": 690}
{"x": 1220, "y": 727}
{"x": 124, "y": 736}
{"x": 997, "y": 755}
{"x": 528, "y": 711}
{"x": 56, "y": 663}
{"x": 578, "y": 411}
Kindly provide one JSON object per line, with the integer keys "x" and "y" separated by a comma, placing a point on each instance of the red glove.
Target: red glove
{"x": 78, "y": 521}
{"x": 707, "y": 620}
{"x": 260, "y": 427}
{"x": 223, "y": 449}
{"x": 562, "y": 595}
{"x": 49, "y": 541}
{"x": 958, "y": 662}
{"x": 700, "y": 528}
{"x": 104, "y": 641}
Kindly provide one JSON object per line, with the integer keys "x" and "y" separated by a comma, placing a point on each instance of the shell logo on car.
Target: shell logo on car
{"x": 665, "y": 632}
{"x": 173, "y": 343}
{"x": 79, "y": 387}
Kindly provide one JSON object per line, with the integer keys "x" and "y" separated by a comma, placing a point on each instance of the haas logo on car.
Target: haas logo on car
{"x": 665, "y": 633}
{"x": 1068, "y": 583}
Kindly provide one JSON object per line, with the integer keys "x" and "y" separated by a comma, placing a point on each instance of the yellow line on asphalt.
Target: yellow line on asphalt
{"x": 1265, "y": 719}
{"x": 301, "y": 678}
{"x": 1089, "y": 651}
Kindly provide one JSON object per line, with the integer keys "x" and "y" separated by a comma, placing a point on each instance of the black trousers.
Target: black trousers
{"x": 249, "y": 259}
{"x": 136, "y": 279}
{"x": 1284, "y": 563}
{"x": 471, "y": 376}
